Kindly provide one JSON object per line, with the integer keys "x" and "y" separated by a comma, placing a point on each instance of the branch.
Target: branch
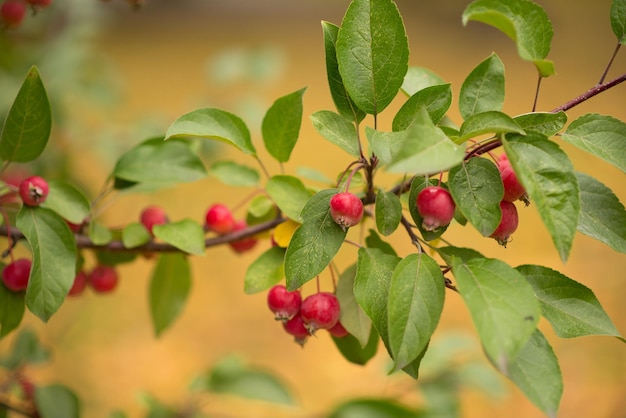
{"x": 83, "y": 241}
{"x": 21, "y": 408}
{"x": 597, "y": 89}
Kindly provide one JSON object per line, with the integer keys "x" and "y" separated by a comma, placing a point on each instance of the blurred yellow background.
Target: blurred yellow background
{"x": 172, "y": 57}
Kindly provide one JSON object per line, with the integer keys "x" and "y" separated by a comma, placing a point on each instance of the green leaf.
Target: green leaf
{"x": 186, "y": 235}
{"x": 27, "y": 126}
{"x": 11, "y": 309}
{"x": 388, "y": 211}
{"x": 217, "y": 124}
{"x": 487, "y": 123}
{"x": 289, "y": 194}
{"x": 230, "y": 376}
{"x": 169, "y": 290}
{"x": 476, "y": 187}
{"x": 56, "y": 401}
{"x": 157, "y": 161}
{"x": 547, "y": 174}
{"x": 352, "y": 350}
{"x": 571, "y": 308}
{"x": 449, "y": 254}
{"x": 436, "y": 99}
{"x": 602, "y": 215}
{"x": 372, "y": 53}
{"x": 536, "y": 372}
{"x": 373, "y": 240}
{"x": 99, "y": 234}
{"x": 344, "y": 104}
{"x": 417, "y": 185}
{"x": 525, "y": 22}
{"x": 423, "y": 148}
{"x": 416, "y": 296}
{"x": 618, "y": 20}
{"x": 134, "y": 235}
{"x": 373, "y": 408}
{"x": 234, "y": 174}
{"x": 54, "y": 259}
{"x": 265, "y": 271}
{"x": 546, "y": 123}
{"x": 25, "y": 349}
{"x": 315, "y": 242}
{"x": 502, "y": 305}
{"x": 281, "y": 125}
{"x": 483, "y": 89}
{"x": 260, "y": 209}
{"x": 66, "y": 200}
{"x": 599, "y": 135}
{"x": 371, "y": 286}
{"x": 418, "y": 78}
{"x": 338, "y": 130}
{"x": 353, "y": 318}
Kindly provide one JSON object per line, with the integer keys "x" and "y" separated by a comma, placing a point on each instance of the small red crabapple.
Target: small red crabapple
{"x": 219, "y": 219}
{"x": 33, "y": 190}
{"x": 320, "y": 311}
{"x": 151, "y": 216}
{"x": 338, "y": 331}
{"x": 508, "y": 223}
{"x": 244, "y": 244}
{"x": 283, "y": 303}
{"x": 15, "y": 275}
{"x": 346, "y": 209}
{"x": 80, "y": 283}
{"x": 296, "y": 327}
{"x": 435, "y": 206}
{"x": 103, "y": 278}
{"x": 12, "y": 13}
{"x": 513, "y": 189}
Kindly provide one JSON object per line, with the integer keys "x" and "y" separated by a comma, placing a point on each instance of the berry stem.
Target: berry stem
{"x": 608, "y": 66}
{"x": 537, "y": 92}
{"x": 267, "y": 174}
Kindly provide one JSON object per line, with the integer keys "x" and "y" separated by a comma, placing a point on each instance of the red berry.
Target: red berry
{"x": 244, "y": 244}
{"x": 320, "y": 311}
{"x": 28, "y": 388}
{"x": 33, "y": 190}
{"x": 15, "y": 275}
{"x": 508, "y": 223}
{"x": 103, "y": 279}
{"x": 12, "y": 13}
{"x": 338, "y": 331}
{"x": 80, "y": 283}
{"x": 435, "y": 206}
{"x": 74, "y": 227}
{"x": 219, "y": 219}
{"x": 513, "y": 189}
{"x": 153, "y": 215}
{"x": 346, "y": 209}
{"x": 296, "y": 327}
{"x": 283, "y": 303}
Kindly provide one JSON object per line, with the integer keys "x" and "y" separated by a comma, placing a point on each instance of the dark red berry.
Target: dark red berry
{"x": 33, "y": 190}
{"x": 80, "y": 283}
{"x": 15, "y": 275}
{"x": 283, "y": 303}
{"x": 513, "y": 189}
{"x": 219, "y": 219}
{"x": 296, "y": 327}
{"x": 244, "y": 244}
{"x": 320, "y": 311}
{"x": 12, "y": 13}
{"x": 346, "y": 209}
{"x": 435, "y": 206}
{"x": 103, "y": 278}
{"x": 508, "y": 223}
{"x": 151, "y": 216}
{"x": 338, "y": 331}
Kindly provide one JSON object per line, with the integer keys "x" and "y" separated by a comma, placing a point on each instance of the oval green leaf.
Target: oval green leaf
{"x": 66, "y": 200}
{"x": 11, "y": 309}
{"x": 353, "y": 318}
{"x": 418, "y": 78}
{"x": 27, "y": 126}
{"x": 372, "y": 53}
{"x": 56, "y": 401}
{"x": 546, "y": 123}
{"x": 265, "y": 271}
{"x": 186, "y": 235}
{"x": 281, "y": 125}
{"x": 216, "y": 124}
{"x": 337, "y": 129}
{"x": 476, "y": 187}
{"x": 54, "y": 259}
{"x": 388, "y": 212}
{"x": 289, "y": 194}
{"x": 134, "y": 235}
{"x": 618, "y": 20}
{"x": 483, "y": 89}
{"x": 492, "y": 122}
{"x": 169, "y": 290}
{"x": 352, "y": 350}
{"x": 436, "y": 99}
{"x": 373, "y": 408}
{"x": 547, "y": 174}
{"x": 234, "y": 174}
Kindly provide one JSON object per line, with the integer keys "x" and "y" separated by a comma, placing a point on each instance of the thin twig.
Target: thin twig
{"x": 608, "y": 66}
{"x": 590, "y": 93}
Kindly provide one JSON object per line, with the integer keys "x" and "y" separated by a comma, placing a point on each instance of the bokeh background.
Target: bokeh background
{"x": 117, "y": 76}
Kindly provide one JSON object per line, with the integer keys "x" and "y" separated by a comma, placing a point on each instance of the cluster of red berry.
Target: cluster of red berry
{"x": 13, "y": 12}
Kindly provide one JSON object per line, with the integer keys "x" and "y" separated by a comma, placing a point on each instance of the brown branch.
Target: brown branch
{"x": 18, "y": 407}
{"x": 597, "y": 89}
{"x": 83, "y": 241}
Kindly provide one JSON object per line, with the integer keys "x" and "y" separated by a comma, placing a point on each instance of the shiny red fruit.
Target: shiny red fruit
{"x": 15, "y": 275}
{"x": 33, "y": 190}
{"x": 320, "y": 311}
{"x": 79, "y": 285}
{"x": 508, "y": 223}
{"x": 296, "y": 327}
{"x": 12, "y": 13}
{"x": 283, "y": 303}
{"x": 513, "y": 189}
{"x": 219, "y": 219}
{"x": 346, "y": 209}
{"x": 103, "y": 279}
{"x": 151, "y": 216}
{"x": 244, "y": 244}
{"x": 435, "y": 206}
